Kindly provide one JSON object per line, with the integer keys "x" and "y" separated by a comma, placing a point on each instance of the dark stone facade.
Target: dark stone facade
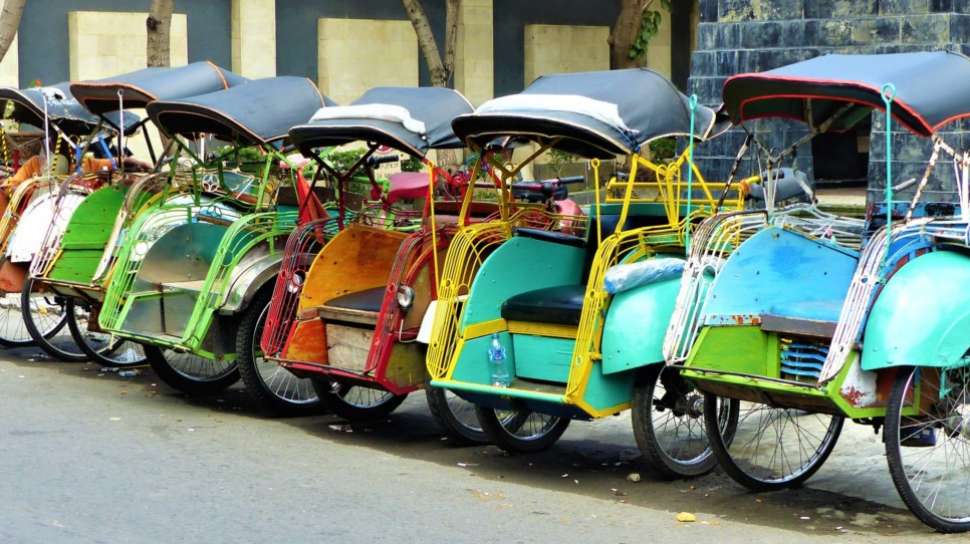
{"x": 736, "y": 36}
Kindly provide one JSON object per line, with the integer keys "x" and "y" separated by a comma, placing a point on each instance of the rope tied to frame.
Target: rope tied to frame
{"x": 888, "y": 93}
{"x": 692, "y": 103}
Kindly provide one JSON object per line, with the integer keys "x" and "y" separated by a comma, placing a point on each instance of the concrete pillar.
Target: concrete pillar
{"x": 474, "y": 55}
{"x": 551, "y": 49}
{"x": 254, "y": 38}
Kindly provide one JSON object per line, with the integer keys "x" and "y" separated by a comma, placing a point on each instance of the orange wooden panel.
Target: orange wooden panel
{"x": 307, "y": 343}
{"x": 356, "y": 259}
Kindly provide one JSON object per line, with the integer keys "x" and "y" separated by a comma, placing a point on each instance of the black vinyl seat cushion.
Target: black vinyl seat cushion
{"x": 561, "y": 305}
{"x": 368, "y": 300}
{"x": 551, "y": 236}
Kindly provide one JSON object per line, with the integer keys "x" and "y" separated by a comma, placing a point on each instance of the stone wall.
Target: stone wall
{"x": 736, "y": 36}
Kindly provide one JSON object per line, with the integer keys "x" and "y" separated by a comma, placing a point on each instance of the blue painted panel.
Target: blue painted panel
{"x": 782, "y": 273}
{"x": 922, "y": 315}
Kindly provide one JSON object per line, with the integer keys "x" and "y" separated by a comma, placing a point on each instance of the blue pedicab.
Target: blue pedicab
{"x": 814, "y": 318}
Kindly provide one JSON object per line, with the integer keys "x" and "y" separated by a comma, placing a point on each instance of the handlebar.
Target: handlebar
{"x": 543, "y": 190}
{"x": 375, "y": 161}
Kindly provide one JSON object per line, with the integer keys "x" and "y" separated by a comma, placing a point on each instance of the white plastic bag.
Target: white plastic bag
{"x": 623, "y": 277}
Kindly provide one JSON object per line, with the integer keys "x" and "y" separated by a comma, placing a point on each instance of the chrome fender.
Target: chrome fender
{"x": 922, "y": 315}
{"x": 256, "y": 269}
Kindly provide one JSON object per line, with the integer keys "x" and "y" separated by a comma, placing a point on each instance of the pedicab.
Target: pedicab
{"x": 27, "y": 195}
{"x": 189, "y": 269}
{"x": 346, "y": 313}
{"x": 526, "y": 326}
{"x": 77, "y": 253}
{"x": 812, "y": 319}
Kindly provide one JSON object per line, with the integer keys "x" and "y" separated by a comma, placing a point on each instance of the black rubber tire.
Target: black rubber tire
{"x": 189, "y": 386}
{"x": 891, "y": 434}
{"x": 335, "y": 403}
{"x": 42, "y": 340}
{"x": 645, "y": 434}
{"x": 445, "y": 417}
{"x": 250, "y": 328}
{"x": 96, "y": 355}
{"x": 498, "y": 435}
{"x": 719, "y": 444}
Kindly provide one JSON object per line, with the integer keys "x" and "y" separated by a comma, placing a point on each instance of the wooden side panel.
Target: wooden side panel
{"x": 356, "y": 259}
{"x": 347, "y": 347}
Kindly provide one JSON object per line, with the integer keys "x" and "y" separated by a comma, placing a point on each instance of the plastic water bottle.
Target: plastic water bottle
{"x": 498, "y": 363}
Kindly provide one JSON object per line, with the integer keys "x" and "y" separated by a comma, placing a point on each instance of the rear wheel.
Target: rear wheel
{"x": 274, "y": 388}
{"x": 521, "y": 431}
{"x": 929, "y": 451}
{"x": 668, "y": 423}
{"x": 771, "y": 448}
{"x": 191, "y": 374}
{"x": 356, "y": 403}
{"x": 104, "y": 348}
{"x": 455, "y": 415}
{"x": 44, "y": 316}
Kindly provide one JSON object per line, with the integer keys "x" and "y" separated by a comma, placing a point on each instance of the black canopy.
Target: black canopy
{"x": 258, "y": 112}
{"x": 386, "y": 115}
{"x": 140, "y": 87}
{"x": 930, "y": 89}
{"x": 596, "y": 114}
{"x": 62, "y": 109}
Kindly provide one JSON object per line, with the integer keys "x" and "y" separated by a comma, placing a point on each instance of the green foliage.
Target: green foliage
{"x": 650, "y": 21}
{"x": 558, "y": 160}
{"x": 342, "y": 159}
{"x": 411, "y": 164}
{"x": 663, "y": 149}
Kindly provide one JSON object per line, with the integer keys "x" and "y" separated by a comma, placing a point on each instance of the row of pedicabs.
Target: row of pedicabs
{"x": 739, "y": 322}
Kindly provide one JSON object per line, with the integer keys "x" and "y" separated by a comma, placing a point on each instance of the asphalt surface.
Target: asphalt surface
{"x": 90, "y": 456}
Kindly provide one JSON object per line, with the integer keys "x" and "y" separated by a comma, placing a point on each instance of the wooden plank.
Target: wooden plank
{"x": 348, "y": 347}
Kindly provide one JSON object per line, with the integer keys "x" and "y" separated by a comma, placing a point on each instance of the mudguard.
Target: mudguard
{"x": 922, "y": 316}
{"x": 636, "y": 323}
{"x": 257, "y": 268}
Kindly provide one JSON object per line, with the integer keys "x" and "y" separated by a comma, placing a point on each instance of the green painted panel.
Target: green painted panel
{"x": 922, "y": 315}
{"x": 542, "y": 358}
{"x": 746, "y": 350}
{"x": 87, "y": 234}
{"x": 636, "y": 322}
{"x": 606, "y": 390}
{"x": 519, "y": 265}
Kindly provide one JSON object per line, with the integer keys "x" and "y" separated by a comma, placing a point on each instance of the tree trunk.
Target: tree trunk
{"x": 624, "y": 33}
{"x": 159, "y": 25}
{"x": 9, "y": 22}
{"x": 441, "y": 68}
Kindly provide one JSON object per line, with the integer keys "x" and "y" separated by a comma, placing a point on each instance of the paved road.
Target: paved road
{"x": 88, "y": 456}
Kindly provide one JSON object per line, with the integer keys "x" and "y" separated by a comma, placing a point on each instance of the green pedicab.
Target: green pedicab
{"x": 189, "y": 270}
{"x": 813, "y": 319}
{"x": 77, "y": 254}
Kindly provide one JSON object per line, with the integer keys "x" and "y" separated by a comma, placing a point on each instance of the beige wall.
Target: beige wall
{"x": 254, "y": 38}
{"x": 564, "y": 48}
{"x": 9, "y": 67}
{"x": 356, "y": 54}
{"x": 474, "y": 54}
{"x": 104, "y": 43}
{"x": 659, "y": 48}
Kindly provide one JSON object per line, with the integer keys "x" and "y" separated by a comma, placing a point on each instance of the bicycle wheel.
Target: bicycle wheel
{"x": 929, "y": 452}
{"x": 771, "y": 448}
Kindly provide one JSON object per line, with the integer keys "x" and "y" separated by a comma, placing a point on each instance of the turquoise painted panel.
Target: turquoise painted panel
{"x": 922, "y": 315}
{"x": 636, "y": 323}
{"x": 604, "y": 391}
{"x": 519, "y": 265}
{"x": 472, "y": 364}
{"x": 542, "y": 358}
{"x": 782, "y": 273}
